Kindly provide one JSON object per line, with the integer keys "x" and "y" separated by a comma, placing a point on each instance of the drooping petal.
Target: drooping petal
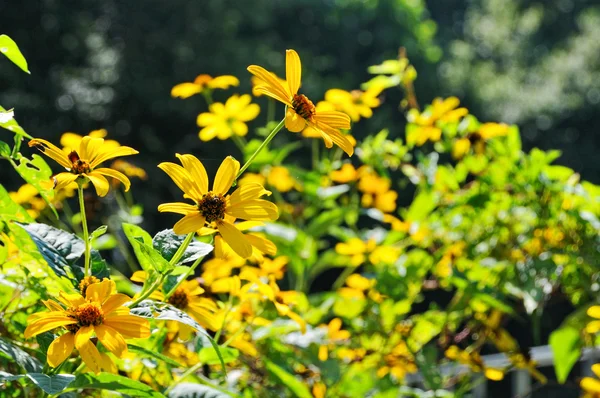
{"x": 338, "y": 138}
{"x": 334, "y": 119}
{"x": 177, "y": 207}
{"x": 254, "y": 209}
{"x": 61, "y": 180}
{"x": 83, "y": 335}
{"x": 196, "y": 170}
{"x": 190, "y": 223}
{"x": 114, "y": 301}
{"x": 100, "y": 291}
{"x": 60, "y": 349}
{"x": 235, "y": 238}
{"x": 107, "y": 364}
{"x": 185, "y": 90}
{"x": 248, "y": 191}
{"x": 262, "y": 244}
{"x": 115, "y": 174}
{"x": 106, "y": 153}
{"x": 272, "y": 88}
{"x": 91, "y": 356}
{"x": 111, "y": 339}
{"x": 225, "y": 175}
{"x": 294, "y": 122}
{"x": 52, "y": 151}
{"x": 293, "y": 71}
{"x": 51, "y": 320}
{"x": 182, "y": 179}
{"x": 130, "y": 326}
{"x": 100, "y": 183}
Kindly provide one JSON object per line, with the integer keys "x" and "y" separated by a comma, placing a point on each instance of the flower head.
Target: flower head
{"x": 355, "y": 103}
{"x": 82, "y": 164}
{"x": 101, "y": 312}
{"x": 300, "y": 110}
{"x": 202, "y": 83}
{"x": 211, "y": 207}
{"x": 224, "y": 120}
{"x": 71, "y": 141}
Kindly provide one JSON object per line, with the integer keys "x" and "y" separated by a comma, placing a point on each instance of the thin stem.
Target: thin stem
{"x": 261, "y": 147}
{"x": 339, "y": 282}
{"x": 315, "y": 154}
{"x": 86, "y": 269}
{"x": 229, "y": 307}
{"x": 15, "y": 150}
{"x": 177, "y": 256}
{"x": 148, "y": 292}
{"x": 183, "y": 278}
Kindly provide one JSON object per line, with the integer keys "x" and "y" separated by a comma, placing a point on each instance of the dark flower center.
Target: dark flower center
{"x": 79, "y": 166}
{"x": 179, "y": 299}
{"x": 212, "y": 207}
{"x": 89, "y": 314}
{"x": 303, "y": 106}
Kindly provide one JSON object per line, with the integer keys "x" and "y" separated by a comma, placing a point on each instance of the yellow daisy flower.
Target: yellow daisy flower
{"x": 590, "y": 385}
{"x": 211, "y": 207}
{"x": 188, "y": 298}
{"x": 101, "y": 312}
{"x": 70, "y": 141}
{"x": 224, "y": 120}
{"x": 300, "y": 110}
{"x": 82, "y": 164}
{"x": 355, "y": 103}
{"x": 203, "y": 82}
{"x": 279, "y": 177}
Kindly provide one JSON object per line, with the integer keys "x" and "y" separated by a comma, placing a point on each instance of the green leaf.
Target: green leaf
{"x": 4, "y": 150}
{"x": 152, "y": 354}
{"x": 9, "y": 210}
{"x": 51, "y": 384}
{"x": 167, "y": 243}
{"x": 9, "y": 48}
{"x": 36, "y": 172}
{"x": 20, "y": 357}
{"x": 422, "y": 205}
{"x": 98, "y": 232}
{"x": 298, "y": 388}
{"x": 566, "y": 348}
{"x": 150, "y": 259}
{"x": 320, "y": 224}
{"x": 210, "y": 356}
{"x": 44, "y": 340}
{"x": 13, "y": 126}
{"x": 111, "y": 382}
{"x": 193, "y": 390}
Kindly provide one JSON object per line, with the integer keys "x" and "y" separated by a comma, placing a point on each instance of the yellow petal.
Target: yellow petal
{"x": 494, "y": 374}
{"x": 225, "y": 175}
{"x": 192, "y": 222}
{"x": 293, "y": 71}
{"x": 115, "y": 174}
{"x": 114, "y": 301}
{"x": 248, "y": 191}
{"x": 99, "y": 182}
{"x": 70, "y": 141}
{"x": 594, "y": 311}
{"x": 590, "y": 384}
{"x": 106, "y": 152}
{"x": 71, "y": 300}
{"x": 248, "y": 113}
{"x": 323, "y": 353}
{"x": 52, "y": 151}
{"x": 89, "y": 147}
{"x": 91, "y": 356}
{"x": 185, "y": 90}
{"x": 223, "y": 82}
{"x": 254, "y": 209}
{"x": 338, "y": 138}
{"x": 334, "y": 119}
{"x": 262, "y": 244}
{"x": 596, "y": 369}
{"x": 61, "y": 180}
{"x": 107, "y": 364}
{"x": 60, "y": 349}
{"x": 51, "y": 320}
{"x": 272, "y": 88}
{"x": 100, "y": 291}
{"x": 235, "y": 238}
{"x": 294, "y": 122}
{"x": 182, "y": 179}
{"x": 130, "y": 326}
{"x": 178, "y": 207}
{"x": 83, "y": 335}
{"x": 196, "y": 170}
{"x": 111, "y": 339}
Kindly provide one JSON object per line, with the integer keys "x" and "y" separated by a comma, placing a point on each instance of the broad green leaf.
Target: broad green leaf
{"x": 51, "y": 384}
{"x": 297, "y": 387}
{"x": 4, "y": 150}
{"x": 153, "y": 354}
{"x": 422, "y": 205}
{"x": 44, "y": 340}
{"x": 20, "y": 357}
{"x": 9, "y": 210}
{"x": 320, "y": 224}
{"x": 193, "y": 390}
{"x": 9, "y": 48}
{"x": 37, "y": 172}
{"x": 210, "y": 356}
{"x": 167, "y": 243}
{"x": 150, "y": 259}
{"x": 13, "y": 126}
{"x": 566, "y": 348}
{"x": 116, "y": 383}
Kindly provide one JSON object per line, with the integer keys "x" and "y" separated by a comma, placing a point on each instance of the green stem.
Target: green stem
{"x": 339, "y": 282}
{"x": 86, "y": 239}
{"x": 229, "y": 307}
{"x": 177, "y": 256}
{"x": 15, "y": 150}
{"x": 183, "y": 278}
{"x": 148, "y": 292}
{"x": 261, "y": 147}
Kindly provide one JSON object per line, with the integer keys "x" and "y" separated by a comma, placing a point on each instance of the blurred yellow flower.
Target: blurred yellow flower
{"x": 188, "y": 298}
{"x": 203, "y": 82}
{"x": 82, "y": 164}
{"x": 101, "y": 312}
{"x": 224, "y": 120}
{"x": 252, "y": 178}
{"x": 590, "y": 385}
{"x": 28, "y": 197}
{"x": 474, "y": 361}
{"x": 211, "y": 207}
{"x": 130, "y": 170}
{"x": 72, "y": 141}
{"x": 356, "y": 249}
{"x": 593, "y": 326}
{"x": 335, "y": 334}
{"x": 487, "y": 131}
{"x": 279, "y": 177}
{"x": 355, "y": 103}
{"x": 460, "y": 148}
{"x": 300, "y": 110}
{"x": 376, "y": 192}
{"x": 423, "y": 128}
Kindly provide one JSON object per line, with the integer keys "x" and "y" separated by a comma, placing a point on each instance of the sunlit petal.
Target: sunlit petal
{"x": 225, "y": 175}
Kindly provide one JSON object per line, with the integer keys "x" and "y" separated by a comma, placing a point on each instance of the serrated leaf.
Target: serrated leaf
{"x": 9, "y": 48}
{"x": 193, "y": 390}
{"x": 297, "y": 387}
{"x": 566, "y": 348}
{"x": 149, "y": 258}
{"x": 13, "y": 126}
{"x": 111, "y": 382}
{"x": 167, "y": 243}
{"x": 20, "y": 357}
{"x": 37, "y": 173}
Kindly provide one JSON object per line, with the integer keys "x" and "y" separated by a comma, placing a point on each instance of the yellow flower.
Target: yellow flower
{"x": 28, "y": 196}
{"x": 130, "y": 170}
{"x": 356, "y": 286}
{"x": 487, "y": 131}
{"x": 355, "y": 103}
{"x": 460, "y": 148}
{"x": 82, "y": 164}
{"x": 224, "y": 120}
{"x": 258, "y": 82}
{"x": 71, "y": 141}
{"x": 188, "y": 298}
{"x": 279, "y": 177}
{"x": 300, "y": 110}
{"x": 252, "y": 178}
{"x": 335, "y": 334}
{"x": 203, "y": 82}
{"x": 423, "y": 126}
{"x": 211, "y": 207}
{"x": 356, "y": 249}
{"x": 590, "y": 385}
{"x": 593, "y": 326}
{"x": 344, "y": 175}
{"x": 376, "y": 192}
{"x": 101, "y": 312}
{"x": 474, "y": 361}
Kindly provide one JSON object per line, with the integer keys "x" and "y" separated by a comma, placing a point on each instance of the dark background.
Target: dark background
{"x": 111, "y": 64}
